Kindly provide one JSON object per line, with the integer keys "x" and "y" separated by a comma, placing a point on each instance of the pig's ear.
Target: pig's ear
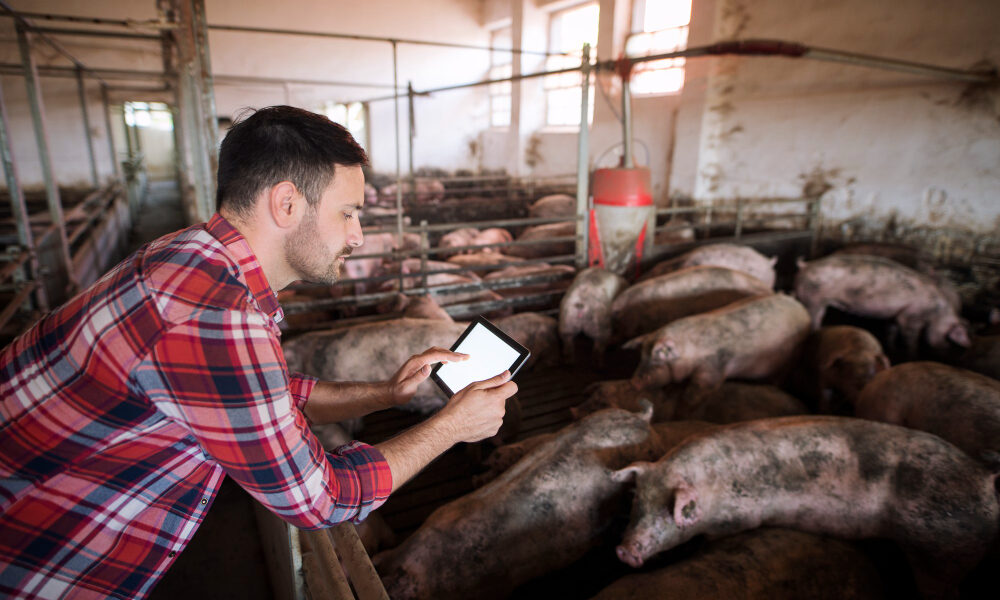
{"x": 635, "y": 343}
{"x": 960, "y": 335}
{"x": 686, "y": 509}
{"x": 774, "y": 260}
{"x": 645, "y": 409}
{"x": 664, "y": 350}
{"x": 800, "y": 263}
{"x": 882, "y": 363}
{"x": 630, "y": 472}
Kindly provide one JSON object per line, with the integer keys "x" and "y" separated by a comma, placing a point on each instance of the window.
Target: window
{"x": 353, "y": 116}
{"x": 155, "y": 115}
{"x": 569, "y": 30}
{"x": 501, "y": 62}
{"x": 658, "y": 27}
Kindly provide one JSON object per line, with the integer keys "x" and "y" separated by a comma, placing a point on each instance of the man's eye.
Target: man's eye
{"x": 349, "y": 216}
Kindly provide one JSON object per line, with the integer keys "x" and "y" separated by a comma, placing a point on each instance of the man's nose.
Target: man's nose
{"x": 355, "y": 238}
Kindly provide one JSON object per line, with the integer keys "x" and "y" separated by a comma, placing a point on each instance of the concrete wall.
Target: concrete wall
{"x": 884, "y": 146}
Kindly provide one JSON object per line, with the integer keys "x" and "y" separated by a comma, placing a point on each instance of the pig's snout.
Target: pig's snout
{"x": 629, "y": 555}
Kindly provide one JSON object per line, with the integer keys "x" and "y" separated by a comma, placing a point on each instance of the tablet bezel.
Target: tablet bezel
{"x": 523, "y": 353}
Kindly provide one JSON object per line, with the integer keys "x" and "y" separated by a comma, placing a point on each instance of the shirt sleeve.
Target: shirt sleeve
{"x": 301, "y": 386}
{"x": 223, "y": 377}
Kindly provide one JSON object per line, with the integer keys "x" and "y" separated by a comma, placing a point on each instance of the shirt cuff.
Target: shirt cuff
{"x": 372, "y": 473}
{"x": 301, "y": 386}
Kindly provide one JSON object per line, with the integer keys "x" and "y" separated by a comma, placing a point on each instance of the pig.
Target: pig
{"x": 877, "y": 287}
{"x": 457, "y": 238}
{"x": 910, "y": 257}
{"x": 417, "y": 307}
{"x": 731, "y": 256}
{"x": 541, "y": 514}
{"x": 493, "y": 235}
{"x": 762, "y": 564}
{"x": 983, "y": 356}
{"x": 373, "y": 352}
{"x": 358, "y": 267}
{"x": 958, "y": 405}
{"x": 836, "y": 363}
{"x": 542, "y": 249}
{"x": 539, "y": 269}
{"x": 736, "y": 401}
{"x": 754, "y": 338}
{"x": 484, "y": 261}
{"x": 652, "y": 303}
{"x": 674, "y": 231}
{"x": 554, "y": 205}
{"x": 536, "y": 332}
{"x": 620, "y": 393}
{"x": 586, "y": 308}
{"x": 838, "y": 476}
{"x": 428, "y": 191}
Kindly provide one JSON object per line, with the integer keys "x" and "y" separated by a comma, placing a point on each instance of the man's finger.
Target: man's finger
{"x": 492, "y": 382}
{"x": 435, "y": 355}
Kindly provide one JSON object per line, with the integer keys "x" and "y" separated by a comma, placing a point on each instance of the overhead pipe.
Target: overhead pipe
{"x": 82, "y": 92}
{"x": 754, "y": 48}
{"x": 132, "y": 23}
{"x": 374, "y": 38}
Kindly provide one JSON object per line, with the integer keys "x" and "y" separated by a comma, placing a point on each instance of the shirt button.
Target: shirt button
{"x": 172, "y": 554}
{"x": 204, "y": 501}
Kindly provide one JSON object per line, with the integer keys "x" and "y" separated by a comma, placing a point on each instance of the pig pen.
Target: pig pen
{"x": 546, "y": 396}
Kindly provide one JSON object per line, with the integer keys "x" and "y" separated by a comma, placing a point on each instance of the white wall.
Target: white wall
{"x": 888, "y": 145}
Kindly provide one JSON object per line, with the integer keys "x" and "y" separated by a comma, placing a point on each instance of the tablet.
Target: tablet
{"x": 490, "y": 351}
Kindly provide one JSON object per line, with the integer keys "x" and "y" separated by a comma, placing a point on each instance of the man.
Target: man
{"x": 123, "y": 410}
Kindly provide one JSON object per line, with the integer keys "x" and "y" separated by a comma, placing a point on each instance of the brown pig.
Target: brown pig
{"x": 837, "y": 362}
{"x": 586, "y": 308}
{"x": 540, "y": 233}
{"x": 876, "y": 287}
{"x": 731, "y": 256}
{"x": 652, "y": 303}
{"x": 492, "y": 235}
{"x": 838, "y": 476}
{"x": 536, "y": 332}
{"x": 565, "y": 272}
{"x": 373, "y": 352}
{"x": 554, "y": 205}
{"x": 456, "y": 239}
{"x": 754, "y": 338}
{"x": 763, "y": 564}
{"x": 620, "y": 393}
{"x": 958, "y": 405}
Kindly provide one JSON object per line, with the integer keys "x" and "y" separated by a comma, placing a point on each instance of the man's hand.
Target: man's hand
{"x": 476, "y": 412}
{"x": 415, "y": 371}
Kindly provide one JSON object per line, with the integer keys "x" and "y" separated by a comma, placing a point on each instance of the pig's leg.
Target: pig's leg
{"x": 910, "y": 329}
{"x": 569, "y": 352}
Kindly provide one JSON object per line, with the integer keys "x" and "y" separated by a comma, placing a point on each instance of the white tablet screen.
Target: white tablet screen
{"x": 489, "y": 356}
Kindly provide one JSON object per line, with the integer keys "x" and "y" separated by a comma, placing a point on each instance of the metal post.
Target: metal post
{"x": 41, "y": 137}
{"x": 413, "y": 133}
{"x": 424, "y": 245}
{"x": 82, "y": 91}
{"x": 116, "y": 168}
{"x": 583, "y": 163}
{"x": 18, "y": 208}
{"x": 395, "y": 129}
{"x": 196, "y": 111}
{"x": 627, "y": 124}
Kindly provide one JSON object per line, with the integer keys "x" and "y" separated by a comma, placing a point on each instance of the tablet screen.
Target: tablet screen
{"x": 491, "y": 352}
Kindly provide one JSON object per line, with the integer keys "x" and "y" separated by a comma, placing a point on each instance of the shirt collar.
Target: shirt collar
{"x": 246, "y": 261}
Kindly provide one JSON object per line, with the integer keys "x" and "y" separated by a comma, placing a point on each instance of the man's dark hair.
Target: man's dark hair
{"x": 282, "y": 143}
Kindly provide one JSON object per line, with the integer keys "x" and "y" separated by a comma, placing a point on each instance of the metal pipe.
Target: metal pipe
{"x": 97, "y": 20}
{"x": 95, "y": 33}
{"x": 100, "y": 74}
{"x": 237, "y": 79}
{"x": 412, "y": 133}
{"x": 207, "y": 103}
{"x": 372, "y": 38}
{"x": 583, "y": 162}
{"x": 627, "y": 124}
{"x": 17, "y": 205}
{"x": 21, "y": 22}
{"x": 366, "y": 581}
{"x": 757, "y": 48}
{"x": 115, "y": 166}
{"x": 45, "y": 158}
{"x": 81, "y": 90}
{"x": 395, "y": 132}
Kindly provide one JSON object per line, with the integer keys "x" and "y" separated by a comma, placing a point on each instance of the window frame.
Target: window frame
{"x": 564, "y": 82}
{"x": 649, "y": 70}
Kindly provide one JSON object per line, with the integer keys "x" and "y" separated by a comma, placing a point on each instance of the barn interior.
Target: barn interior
{"x": 513, "y": 145}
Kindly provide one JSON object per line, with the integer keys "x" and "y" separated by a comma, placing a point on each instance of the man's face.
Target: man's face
{"x": 329, "y": 231}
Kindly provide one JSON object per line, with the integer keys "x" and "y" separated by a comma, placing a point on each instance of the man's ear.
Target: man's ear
{"x": 285, "y": 204}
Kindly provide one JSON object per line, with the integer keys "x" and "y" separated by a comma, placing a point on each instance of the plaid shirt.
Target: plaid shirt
{"x": 121, "y": 412}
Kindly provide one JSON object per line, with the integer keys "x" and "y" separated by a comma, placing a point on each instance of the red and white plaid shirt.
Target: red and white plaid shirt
{"x": 121, "y": 412}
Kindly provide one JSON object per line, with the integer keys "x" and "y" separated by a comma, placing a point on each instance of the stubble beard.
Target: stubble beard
{"x": 309, "y": 257}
